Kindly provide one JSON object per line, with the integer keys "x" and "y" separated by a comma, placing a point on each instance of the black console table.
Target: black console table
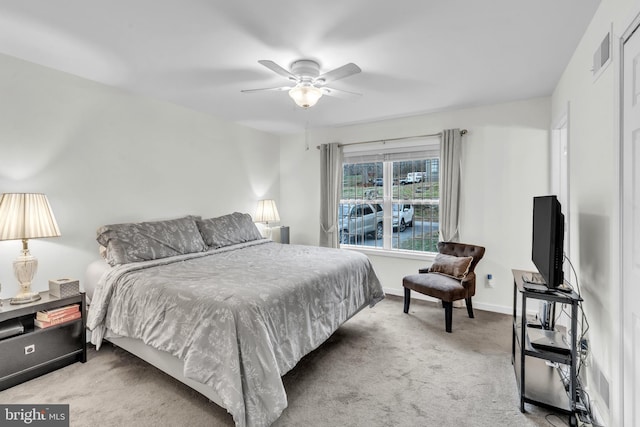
{"x": 539, "y": 381}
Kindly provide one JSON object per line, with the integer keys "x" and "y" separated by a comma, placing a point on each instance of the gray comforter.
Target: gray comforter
{"x": 239, "y": 317}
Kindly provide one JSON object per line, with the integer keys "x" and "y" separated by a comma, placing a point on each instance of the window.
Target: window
{"x": 390, "y": 197}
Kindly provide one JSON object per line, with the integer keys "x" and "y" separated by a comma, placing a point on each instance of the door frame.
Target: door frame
{"x": 621, "y": 407}
{"x": 559, "y": 181}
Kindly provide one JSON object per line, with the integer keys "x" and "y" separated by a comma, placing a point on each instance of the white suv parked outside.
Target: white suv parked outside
{"x": 402, "y": 216}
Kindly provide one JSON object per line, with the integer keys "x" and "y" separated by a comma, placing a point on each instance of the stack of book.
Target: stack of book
{"x": 47, "y": 318}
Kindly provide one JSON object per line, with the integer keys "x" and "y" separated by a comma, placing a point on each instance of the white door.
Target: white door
{"x": 631, "y": 229}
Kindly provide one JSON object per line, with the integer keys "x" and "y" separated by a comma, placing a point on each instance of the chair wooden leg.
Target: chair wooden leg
{"x": 407, "y": 299}
{"x": 469, "y": 307}
{"x": 448, "y": 315}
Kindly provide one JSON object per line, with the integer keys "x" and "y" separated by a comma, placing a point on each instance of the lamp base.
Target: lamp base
{"x": 25, "y": 267}
{"x": 25, "y": 298}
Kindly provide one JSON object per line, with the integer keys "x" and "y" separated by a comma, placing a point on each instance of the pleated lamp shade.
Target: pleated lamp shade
{"x": 266, "y": 211}
{"x": 26, "y": 216}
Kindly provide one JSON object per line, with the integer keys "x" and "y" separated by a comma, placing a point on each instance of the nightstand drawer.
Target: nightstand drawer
{"x": 27, "y": 351}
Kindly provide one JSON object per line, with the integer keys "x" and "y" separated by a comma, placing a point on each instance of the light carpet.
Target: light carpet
{"x": 381, "y": 368}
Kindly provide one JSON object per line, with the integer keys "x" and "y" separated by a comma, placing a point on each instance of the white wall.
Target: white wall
{"x": 505, "y": 164}
{"x": 594, "y": 192}
{"x": 105, "y": 156}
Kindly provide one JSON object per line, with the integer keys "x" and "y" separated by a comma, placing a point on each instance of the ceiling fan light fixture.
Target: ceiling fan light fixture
{"x": 305, "y": 95}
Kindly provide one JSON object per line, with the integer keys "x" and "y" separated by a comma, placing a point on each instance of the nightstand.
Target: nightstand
{"x": 38, "y": 351}
{"x": 280, "y": 234}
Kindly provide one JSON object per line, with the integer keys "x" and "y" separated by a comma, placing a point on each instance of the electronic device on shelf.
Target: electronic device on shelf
{"x": 547, "y": 243}
{"x": 535, "y": 287}
{"x": 533, "y": 278}
{"x": 534, "y": 282}
{"x": 548, "y": 340}
{"x": 11, "y": 328}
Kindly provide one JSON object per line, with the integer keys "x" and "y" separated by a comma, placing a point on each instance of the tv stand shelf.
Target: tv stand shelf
{"x": 539, "y": 380}
{"x": 551, "y": 356}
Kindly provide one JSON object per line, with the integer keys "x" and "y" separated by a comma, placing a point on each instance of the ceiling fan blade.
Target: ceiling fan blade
{"x": 339, "y": 93}
{"x": 339, "y": 73}
{"x": 278, "y": 69}
{"x": 278, "y": 89}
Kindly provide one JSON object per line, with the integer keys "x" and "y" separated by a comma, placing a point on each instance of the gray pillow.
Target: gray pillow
{"x": 228, "y": 230}
{"x": 449, "y": 265}
{"x": 134, "y": 242}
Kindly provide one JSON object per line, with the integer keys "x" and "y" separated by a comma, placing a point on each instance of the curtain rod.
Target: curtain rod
{"x": 462, "y": 132}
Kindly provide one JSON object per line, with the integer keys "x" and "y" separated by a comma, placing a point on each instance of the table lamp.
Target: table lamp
{"x": 266, "y": 212}
{"x": 25, "y": 216}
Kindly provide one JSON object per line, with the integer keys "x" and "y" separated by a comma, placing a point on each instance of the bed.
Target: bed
{"x": 221, "y": 309}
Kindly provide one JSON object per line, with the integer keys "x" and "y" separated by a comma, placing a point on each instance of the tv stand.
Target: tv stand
{"x": 540, "y": 382}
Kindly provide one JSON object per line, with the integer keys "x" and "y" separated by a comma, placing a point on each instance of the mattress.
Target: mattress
{"x": 94, "y": 272}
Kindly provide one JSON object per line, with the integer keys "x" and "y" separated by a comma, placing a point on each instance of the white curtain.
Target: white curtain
{"x": 330, "y": 188}
{"x": 450, "y": 170}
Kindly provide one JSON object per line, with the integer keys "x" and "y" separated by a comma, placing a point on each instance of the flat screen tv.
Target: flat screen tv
{"x": 548, "y": 238}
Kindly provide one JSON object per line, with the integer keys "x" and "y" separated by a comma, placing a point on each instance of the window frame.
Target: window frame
{"x": 422, "y": 148}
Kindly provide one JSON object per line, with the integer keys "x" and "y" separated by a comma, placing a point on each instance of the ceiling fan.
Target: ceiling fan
{"x": 307, "y": 84}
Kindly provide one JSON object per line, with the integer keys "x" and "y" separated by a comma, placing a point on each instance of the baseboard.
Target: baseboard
{"x": 479, "y": 305}
{"x": 494, "y": 308}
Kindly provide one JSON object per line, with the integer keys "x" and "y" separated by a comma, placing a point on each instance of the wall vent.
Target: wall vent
{"x": 602, "y": 56}
{"x": 600, "y": 383}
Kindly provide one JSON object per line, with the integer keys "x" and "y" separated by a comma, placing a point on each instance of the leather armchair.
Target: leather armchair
{"x": 443, "y": 287}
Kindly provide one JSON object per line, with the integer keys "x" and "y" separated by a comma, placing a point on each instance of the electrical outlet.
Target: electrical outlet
{"x": 490, "y": 283}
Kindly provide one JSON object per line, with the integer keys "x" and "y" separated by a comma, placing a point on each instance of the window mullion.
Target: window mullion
{"x": 387, "y": 171}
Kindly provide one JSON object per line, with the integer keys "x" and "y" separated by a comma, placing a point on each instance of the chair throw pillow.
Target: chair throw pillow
{"x": 453, "y": 266}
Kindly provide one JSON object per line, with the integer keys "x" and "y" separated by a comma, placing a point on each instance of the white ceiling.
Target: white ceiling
{"x": 416, "y": 56}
